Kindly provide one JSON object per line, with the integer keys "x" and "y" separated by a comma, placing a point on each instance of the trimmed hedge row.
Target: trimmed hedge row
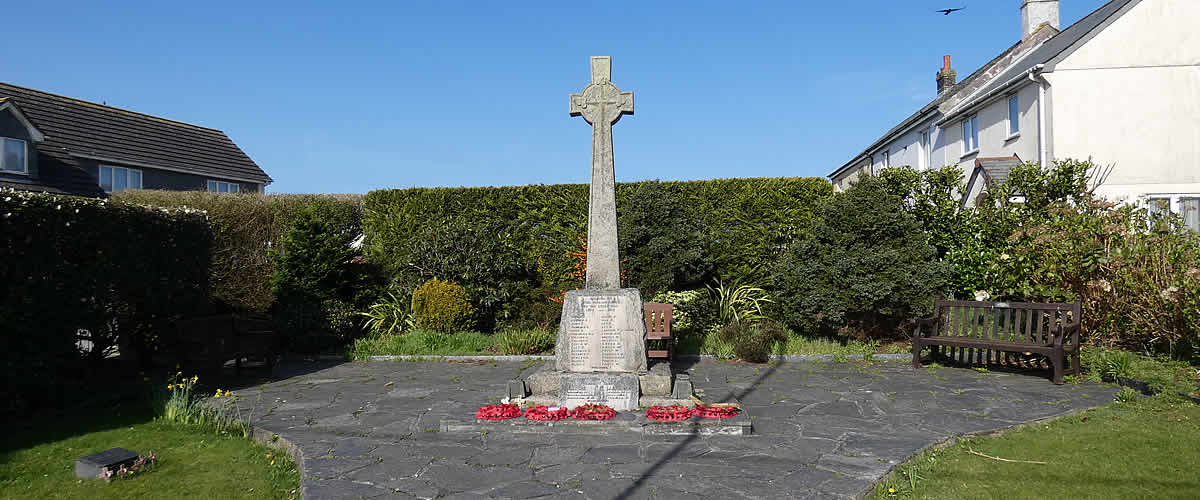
{"x": 244, "y": 229}
{"x": 117, "y": 270}
{"x": 511, "y": 246}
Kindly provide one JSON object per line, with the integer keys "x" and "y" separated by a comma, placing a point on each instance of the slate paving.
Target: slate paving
{"x": 821, "y": 430}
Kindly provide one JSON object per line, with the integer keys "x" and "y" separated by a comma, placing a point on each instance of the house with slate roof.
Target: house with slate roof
{"x": 1120, "y": 86}
{"x": 64, "y": 145}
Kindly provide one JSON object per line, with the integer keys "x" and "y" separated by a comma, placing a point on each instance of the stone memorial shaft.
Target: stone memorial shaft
{"x": 601, "y": 103}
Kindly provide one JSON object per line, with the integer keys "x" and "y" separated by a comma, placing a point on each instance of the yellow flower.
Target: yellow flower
{"x": 268, "y": 455}
{"x": 892, "y": 490}
{"x": 145, "y": 379}
{"x": 195, "y": 378}
{"x": 272, "y": 462}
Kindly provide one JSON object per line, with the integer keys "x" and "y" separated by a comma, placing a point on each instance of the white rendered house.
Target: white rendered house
{"x": 1120, "y": 86}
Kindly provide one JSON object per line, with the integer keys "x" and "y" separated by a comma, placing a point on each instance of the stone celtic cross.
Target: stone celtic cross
{"x": 601, "y": 103}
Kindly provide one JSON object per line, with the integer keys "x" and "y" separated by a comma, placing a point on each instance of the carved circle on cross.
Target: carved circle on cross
{"x": 602, "y": 102}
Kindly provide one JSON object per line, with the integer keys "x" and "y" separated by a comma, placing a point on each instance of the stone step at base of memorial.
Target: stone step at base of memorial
{"x": 643, "y": 402}
{"x": 624, "y": 422}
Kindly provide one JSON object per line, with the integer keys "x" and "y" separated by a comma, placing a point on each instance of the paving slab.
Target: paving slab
{"x": 821, "y": 429}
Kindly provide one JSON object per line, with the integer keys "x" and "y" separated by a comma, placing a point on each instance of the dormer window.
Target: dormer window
{"x": 15, "y": 156}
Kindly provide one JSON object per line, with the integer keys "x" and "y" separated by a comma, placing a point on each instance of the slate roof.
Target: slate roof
{"x": 1046, "y": 52}
{"x": 75, "y": 127}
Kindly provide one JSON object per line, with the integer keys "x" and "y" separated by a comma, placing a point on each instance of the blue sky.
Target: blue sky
{"x": 353, "y": 96}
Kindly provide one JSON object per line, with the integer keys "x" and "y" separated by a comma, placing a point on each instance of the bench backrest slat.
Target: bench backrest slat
{"x": 1024, "y": 322}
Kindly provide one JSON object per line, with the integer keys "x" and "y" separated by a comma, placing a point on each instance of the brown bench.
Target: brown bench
{"x": 658, "y": 330}
{"x": 982, "y": 330}
{"x": 207, "y": 342}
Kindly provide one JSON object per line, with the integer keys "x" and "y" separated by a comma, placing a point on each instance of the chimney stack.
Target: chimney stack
{"x": 1035, "y": 13}
{"x": 945, "y": 77}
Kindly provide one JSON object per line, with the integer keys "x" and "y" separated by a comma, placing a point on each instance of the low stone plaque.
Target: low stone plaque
{"x": 601, "y": 331}
{"x": 91, "y": 466}
{"x": 615, "y": 390}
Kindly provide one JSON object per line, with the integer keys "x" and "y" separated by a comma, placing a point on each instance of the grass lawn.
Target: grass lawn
{"x": 1149, "y": 448}
{"x": 192, "y": 463}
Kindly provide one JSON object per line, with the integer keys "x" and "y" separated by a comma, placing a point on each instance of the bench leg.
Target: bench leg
{"x": 916, "y": 353}
{"x": 1076, "y": 367}
{"x": 1057, "y": 360}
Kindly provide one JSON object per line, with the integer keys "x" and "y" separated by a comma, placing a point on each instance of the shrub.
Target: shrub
{"x": 315, "y": 279}
{"x": 865, "y": 267}
{"x": 442, "y": 306}
{"x": 1138, "y": 279}
{"x": 112, "y": 272}
{"x": 244, "y": 229}
{"x": 389, "y": 316}
{"x": 738, "y": 303}
{"x": 482, "y": 256}
{"x": 531, "y": 341}
{"x": 661, "y": 239}
{"x": 753, "y": 341}
{"x": 509, "y": 245}
{"x": 693, "y": 311}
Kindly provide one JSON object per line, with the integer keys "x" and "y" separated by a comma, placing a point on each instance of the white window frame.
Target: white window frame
{"x": 970, "y": 132}
{"x": 24, "y": 156}
{"x": 887, "y": 160}
{"x": 1173, "y": 202}
{"x": 100, "y": 175}
{"x": 214, "y": 186}
{"x": 1014, "y": 117}
{"x": 925, "y": 150}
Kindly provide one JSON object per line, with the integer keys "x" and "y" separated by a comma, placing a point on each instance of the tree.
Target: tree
{"x": 865, "y": 268}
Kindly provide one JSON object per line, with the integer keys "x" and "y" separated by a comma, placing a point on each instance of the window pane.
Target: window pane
{"x": 135, "y": 179}
{"x": 1014, "y": 115}
{"x": 233, "y": 188}
{"x": 1189, "y": 208}
{"x": 212, "y": 186}
{"x": 974, "y": 132}
{"x": 14, "y": 155}
{"x": 106, "y": 178}
{"x": 966, "y": 133}
{"x": 119, "y": 178}
{"x": 222, "y": 187}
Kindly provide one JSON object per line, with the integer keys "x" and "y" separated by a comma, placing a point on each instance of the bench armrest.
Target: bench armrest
{"x": 1060, "y": 333}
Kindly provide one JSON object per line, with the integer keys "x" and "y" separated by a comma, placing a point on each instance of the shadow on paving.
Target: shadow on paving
{"x": 728, "y": 398}
{"x": 820, "y": 430}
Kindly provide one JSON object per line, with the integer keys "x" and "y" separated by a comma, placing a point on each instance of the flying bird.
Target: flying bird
{"x": 946, "y": 12}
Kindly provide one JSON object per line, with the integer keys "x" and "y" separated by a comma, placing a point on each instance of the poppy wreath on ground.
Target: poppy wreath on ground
{"x": 592, "y": 411}
{"x": 715, "y": 412}
{"x": 498, "y": 412}
{"x": 668, "y": 413}
{"x": 542, "y": 412}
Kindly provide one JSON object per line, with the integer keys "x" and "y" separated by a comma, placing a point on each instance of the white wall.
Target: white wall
{"x": 1131, "y": 97}
{"x": 994, "y": 139}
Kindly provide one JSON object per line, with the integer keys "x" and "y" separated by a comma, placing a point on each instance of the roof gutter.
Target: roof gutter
{"x": 1030, "y": 73}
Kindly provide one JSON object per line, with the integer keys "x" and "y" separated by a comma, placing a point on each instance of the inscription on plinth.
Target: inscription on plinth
{"x": 602, "y": 331}
{"x": 617, "y": 391}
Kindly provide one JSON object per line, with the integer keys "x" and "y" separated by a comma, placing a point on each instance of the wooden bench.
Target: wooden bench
{"x": 982, "y": 330}
{"x": 209, "y": 341}
{"x": 658, "y": 330}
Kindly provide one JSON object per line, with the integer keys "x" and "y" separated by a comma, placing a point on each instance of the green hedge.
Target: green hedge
{"x": 245, "y": 227}
{"x": 119, "y": 271}
{"x": 509, "y": 246}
